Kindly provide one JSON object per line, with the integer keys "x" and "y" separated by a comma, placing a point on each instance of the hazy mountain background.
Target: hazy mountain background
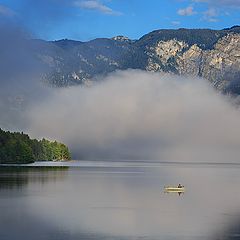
{"x": 212, "y": 54}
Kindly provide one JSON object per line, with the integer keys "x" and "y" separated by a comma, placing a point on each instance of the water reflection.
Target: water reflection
{"x": 119, "y": 203}
{"x": 175, "y": 193}
{"x": 231, "y": 230}
{"x": 19, "y": 177}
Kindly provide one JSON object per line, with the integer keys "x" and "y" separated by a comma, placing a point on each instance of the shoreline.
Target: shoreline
{"x": 120, "y": 163}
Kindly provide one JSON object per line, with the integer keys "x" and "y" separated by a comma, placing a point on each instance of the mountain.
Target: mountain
{"x": 212, "y": 54}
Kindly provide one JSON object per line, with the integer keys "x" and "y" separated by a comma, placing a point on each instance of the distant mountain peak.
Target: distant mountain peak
{"x": 233, "y": 28}
{"x": 66, "y": 43}
{"x": 121, "y": 38}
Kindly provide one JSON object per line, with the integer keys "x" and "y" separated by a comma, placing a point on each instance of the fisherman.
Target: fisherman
{"x": 179, "y": 185}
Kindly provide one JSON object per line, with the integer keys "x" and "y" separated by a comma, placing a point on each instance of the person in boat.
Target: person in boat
{"x": 179, "y": 185}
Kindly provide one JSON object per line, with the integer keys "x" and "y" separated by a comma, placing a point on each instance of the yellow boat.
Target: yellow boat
{"x": 174, "y": 189}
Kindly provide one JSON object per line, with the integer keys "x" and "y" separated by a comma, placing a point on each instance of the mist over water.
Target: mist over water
{"x": 138, "y": 115}
{"x": 20, "y": 77}
{"x": 130, "y": 114}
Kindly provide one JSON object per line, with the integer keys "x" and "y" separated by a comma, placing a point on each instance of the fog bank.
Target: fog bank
{"x": 20, "y": 77}
{"x": 138, "y": 115}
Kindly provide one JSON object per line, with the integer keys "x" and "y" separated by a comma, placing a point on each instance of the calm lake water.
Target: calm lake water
{"x": 119, "y": 200}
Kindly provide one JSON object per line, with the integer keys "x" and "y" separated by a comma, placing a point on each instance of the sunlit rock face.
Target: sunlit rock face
{"x": 220, "y": 65}
{"x": 164, "y": 55}
{"x": 190, "y": 61}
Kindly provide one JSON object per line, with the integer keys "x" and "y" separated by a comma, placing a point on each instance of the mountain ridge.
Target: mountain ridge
{"x": 197, "y": 52}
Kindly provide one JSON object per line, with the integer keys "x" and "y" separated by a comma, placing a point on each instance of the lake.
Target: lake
{"x": 119, "y": 200}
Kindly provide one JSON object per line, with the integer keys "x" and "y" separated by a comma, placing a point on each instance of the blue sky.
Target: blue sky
{"x": 88, "y": 19}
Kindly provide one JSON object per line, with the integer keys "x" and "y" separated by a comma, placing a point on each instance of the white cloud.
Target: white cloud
{"x": 210, "y": 15}
{"x": 219, "y": 3}
{"x": 175, "y": 23}
{"x": 5, "y": 11}
{"x": 218, "y": 7}
{"x": 188, "y": 11}
{"x": 96, "y": 6}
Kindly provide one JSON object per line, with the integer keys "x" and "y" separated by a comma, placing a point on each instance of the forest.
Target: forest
{"x": 18, "y": 147}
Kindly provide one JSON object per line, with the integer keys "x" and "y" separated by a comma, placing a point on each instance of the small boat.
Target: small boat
{"x": 174, "y": 189}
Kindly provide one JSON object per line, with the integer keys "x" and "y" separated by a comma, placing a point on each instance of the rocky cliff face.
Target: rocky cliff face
{"x": 212, "y": 54}
{"x": 222, "y": 64}
{"x": 219, "y": 65}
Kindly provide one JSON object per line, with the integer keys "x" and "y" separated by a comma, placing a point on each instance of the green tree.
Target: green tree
{"x": 19, "y": 148}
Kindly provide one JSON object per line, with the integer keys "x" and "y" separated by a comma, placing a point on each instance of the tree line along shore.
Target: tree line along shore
{"x": 17, "y": 148}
